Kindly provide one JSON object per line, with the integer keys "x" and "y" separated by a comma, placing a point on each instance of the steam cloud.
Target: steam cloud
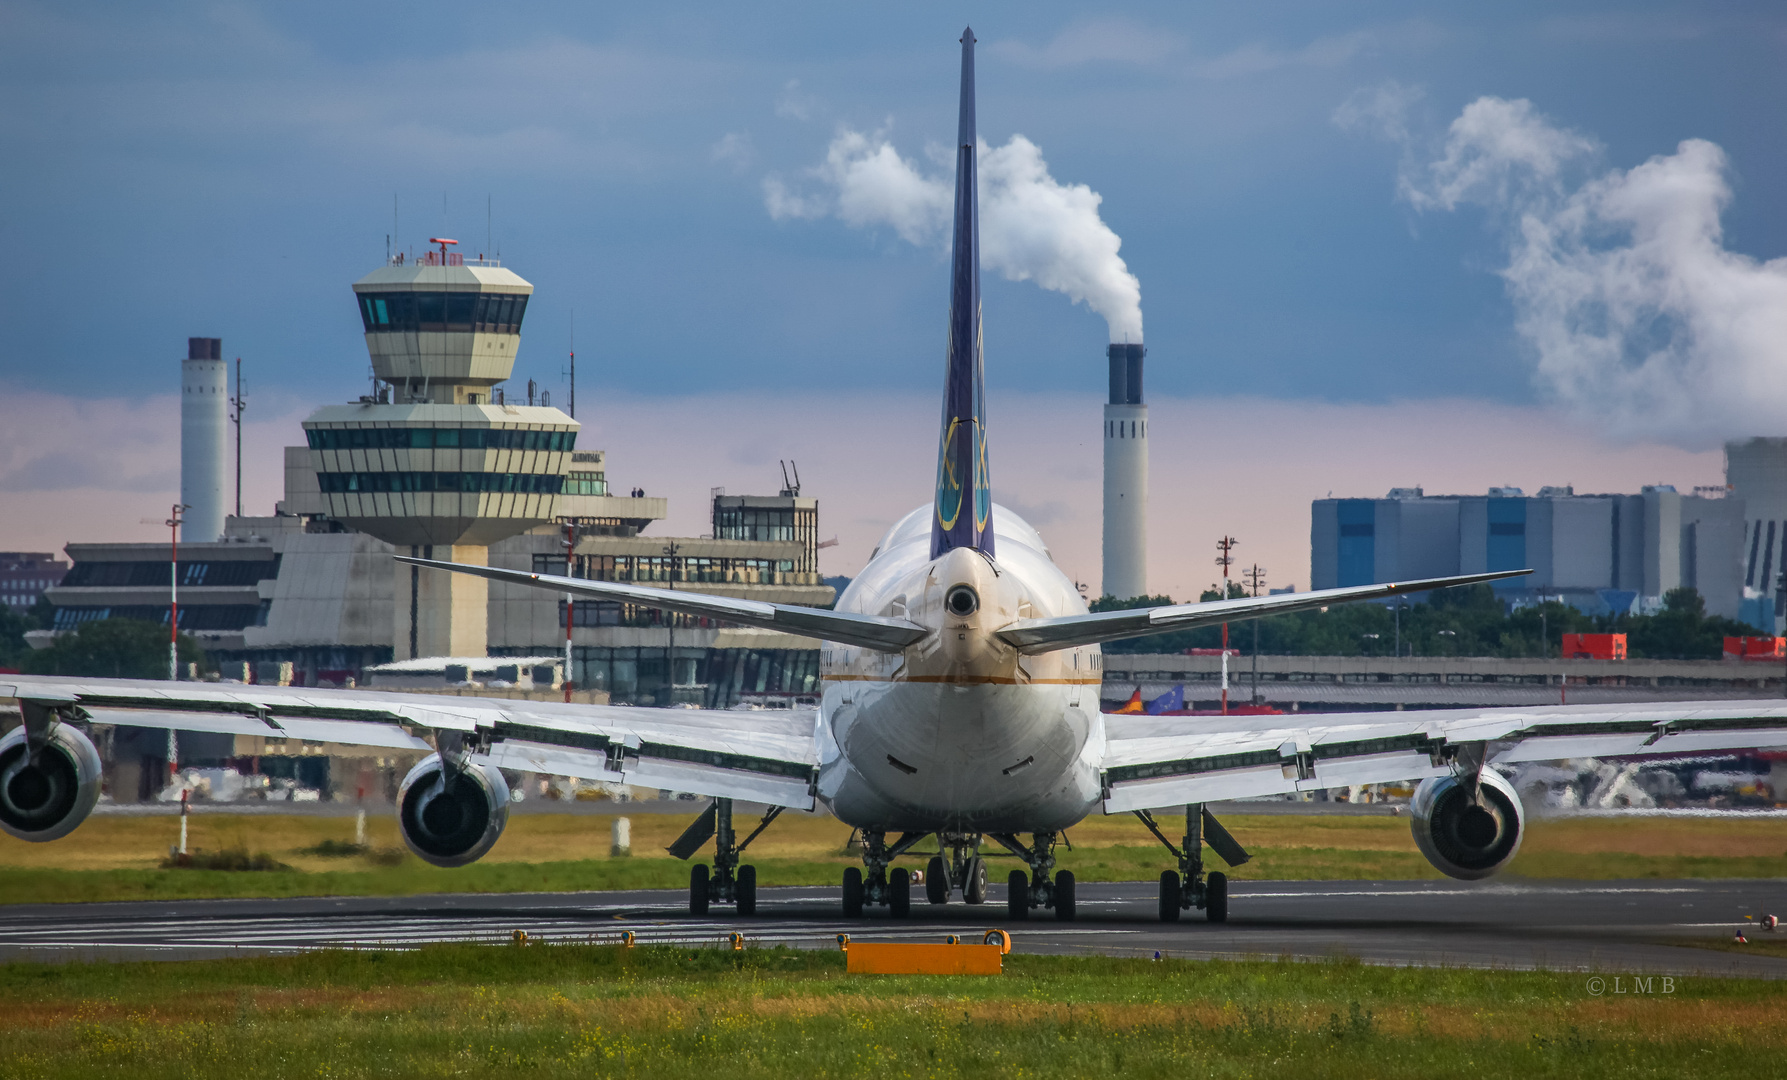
{"x": 1032, "y": 228}
{"x": 1641, "y": 320}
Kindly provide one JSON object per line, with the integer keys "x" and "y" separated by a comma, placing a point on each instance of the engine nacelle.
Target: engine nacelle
{"x": 48, "y": 798}
{"x": 1465, "y": 838}
{"x": 452, "y": 822}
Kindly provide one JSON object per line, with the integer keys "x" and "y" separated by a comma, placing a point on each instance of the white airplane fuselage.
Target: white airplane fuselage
{"x": 961, "y": 732}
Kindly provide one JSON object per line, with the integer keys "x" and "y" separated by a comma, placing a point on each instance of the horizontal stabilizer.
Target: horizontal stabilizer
{"x": 847, "y": 628}
{"x": 1066, "y": 632}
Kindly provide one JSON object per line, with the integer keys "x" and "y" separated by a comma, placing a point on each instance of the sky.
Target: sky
{"x": 1371, "y": 244}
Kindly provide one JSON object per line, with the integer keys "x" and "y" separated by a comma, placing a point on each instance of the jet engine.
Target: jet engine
{"x": 452, "y": 816}
{"x": 47, "y": 796}
{"x": 1464, "y": 837}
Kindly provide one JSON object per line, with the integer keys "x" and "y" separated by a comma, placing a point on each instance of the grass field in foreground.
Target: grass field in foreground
{"x": 648, "y": 1012}
{"x": 116, "y": 857}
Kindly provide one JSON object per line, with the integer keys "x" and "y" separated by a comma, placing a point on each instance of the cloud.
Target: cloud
{"x": 1033, "y": 228}
{"x": 735, "y": 149}
{"x": 795, "y": 104}
{"x": 1094, "y": 41}
{"x": 1638, "y": 317}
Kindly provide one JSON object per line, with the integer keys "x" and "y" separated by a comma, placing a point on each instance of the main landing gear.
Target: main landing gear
{"x": 727, "y": 882}
{"x": 1035, "y": 889}
{"x": 1189, "y": 886}
{"x": 875, "y": 883}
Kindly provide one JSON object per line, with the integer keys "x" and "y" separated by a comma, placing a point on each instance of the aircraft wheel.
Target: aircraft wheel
{"x": 1064, "y": 895}
{"x": 937, "y": 880}
{"x": 747, "y": 890}
{"x": 853, "y": 893}
{"x": 698, "y": 889}
{"x": 1017, "y": 896}
{"x": 1216, "y": 897}
{"x": 899, "y": 893}
{"x": 1169, "y": 896}
{"x": 974, "y": 890}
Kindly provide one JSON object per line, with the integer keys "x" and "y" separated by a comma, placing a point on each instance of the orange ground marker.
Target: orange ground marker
{"x": 917, "y": 958}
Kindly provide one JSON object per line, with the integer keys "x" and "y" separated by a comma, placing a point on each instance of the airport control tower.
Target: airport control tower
{"x": 434, "y": 461}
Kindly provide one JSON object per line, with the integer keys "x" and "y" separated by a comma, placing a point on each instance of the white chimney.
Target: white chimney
{"x": 204, "y": 424}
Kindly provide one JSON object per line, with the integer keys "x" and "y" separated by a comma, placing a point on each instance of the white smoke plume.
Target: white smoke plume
{"x": 1640, "y": 319}
{"x": 1032, "y": 227}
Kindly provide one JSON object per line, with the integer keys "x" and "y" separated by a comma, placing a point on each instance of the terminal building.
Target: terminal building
{"x": 438, "y": 463}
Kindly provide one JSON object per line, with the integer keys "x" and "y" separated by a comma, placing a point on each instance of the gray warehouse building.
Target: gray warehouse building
{"x": 1597, "y": 553}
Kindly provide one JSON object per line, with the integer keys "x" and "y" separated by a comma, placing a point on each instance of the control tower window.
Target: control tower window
{"x": 397, "y": 438}
{"x": 409, "y": 312}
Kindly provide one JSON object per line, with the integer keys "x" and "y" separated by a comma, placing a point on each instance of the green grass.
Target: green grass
{"x": 410, "y": 877}
{"x": 117, "y": 858}
{"x": 650, "y": 1012}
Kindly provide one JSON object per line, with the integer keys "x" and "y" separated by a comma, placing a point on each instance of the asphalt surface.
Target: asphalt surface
{"x": 1640, "y": 927}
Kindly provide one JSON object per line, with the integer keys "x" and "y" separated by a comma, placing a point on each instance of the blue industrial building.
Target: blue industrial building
{"x": 1598, "y": 553}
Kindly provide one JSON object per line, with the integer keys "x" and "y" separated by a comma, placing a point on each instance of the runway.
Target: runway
{"x": 1635, "y": 926}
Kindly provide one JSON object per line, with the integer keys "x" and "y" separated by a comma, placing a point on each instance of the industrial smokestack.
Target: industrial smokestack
{"x": 1126, "y": 476}
{"x": 204, "y": 419}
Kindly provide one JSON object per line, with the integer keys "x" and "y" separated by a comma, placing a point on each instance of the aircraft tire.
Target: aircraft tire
{"x": 1169, "y": 896}
{"x": 747, "y": 890}
{"x": 899, "y": 893}
{"x": 1017, "y": 896}
{"x": 974, "y": 890}
{"x": 698, "y": 889}
{"x": 937, "y": 880}
{"x": 853, "y": 893}
{"x": 1064, "y": 895}
{"x": 1216, "y": 897}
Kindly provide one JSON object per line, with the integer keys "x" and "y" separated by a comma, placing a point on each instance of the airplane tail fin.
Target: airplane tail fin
{"x": 964, "y": 502}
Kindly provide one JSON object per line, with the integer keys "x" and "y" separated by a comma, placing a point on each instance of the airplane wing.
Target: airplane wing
{"x": 1068, "y": 631}
{"x": 766, "y": 757}
{"x": 1158, "y": 761}
{"x": 847, "y": 628}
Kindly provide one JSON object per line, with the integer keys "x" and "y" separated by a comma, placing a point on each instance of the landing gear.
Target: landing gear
{"x": 899, "y": 893}
{"x": 974, "y": 884}
{"x": 698, "y": 889}
{"x": 874, "y": 883}
{"x": 1189, "y": 887}
{"x": 727, "y": 882}
{"x": 1035, "y": 889}
{"x": 1064, "y": 895}
{"x": 937, "y": 880}
{"x": 853, "y": 893}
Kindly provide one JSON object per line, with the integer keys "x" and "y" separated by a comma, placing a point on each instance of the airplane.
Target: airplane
{"x": 960, "y": 700}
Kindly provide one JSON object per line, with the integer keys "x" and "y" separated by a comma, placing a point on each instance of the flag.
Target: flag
{"x": 1134, "y": 704}
{"x": 1171, "y": 701}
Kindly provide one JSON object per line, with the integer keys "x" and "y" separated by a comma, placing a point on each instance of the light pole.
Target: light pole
{"x": 1225, "y": 560}
{"x": 570, "y": 602}
{"x": 1256, "y": 579}
{"x": 173, "y": 523}
{"x": 670, "y": 552}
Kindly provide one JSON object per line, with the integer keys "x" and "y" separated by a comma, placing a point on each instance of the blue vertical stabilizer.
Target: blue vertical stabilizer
{"x": 964, "y": 507}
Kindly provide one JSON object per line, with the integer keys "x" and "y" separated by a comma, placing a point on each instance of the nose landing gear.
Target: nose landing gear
{"x": 1189, "y": 887}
